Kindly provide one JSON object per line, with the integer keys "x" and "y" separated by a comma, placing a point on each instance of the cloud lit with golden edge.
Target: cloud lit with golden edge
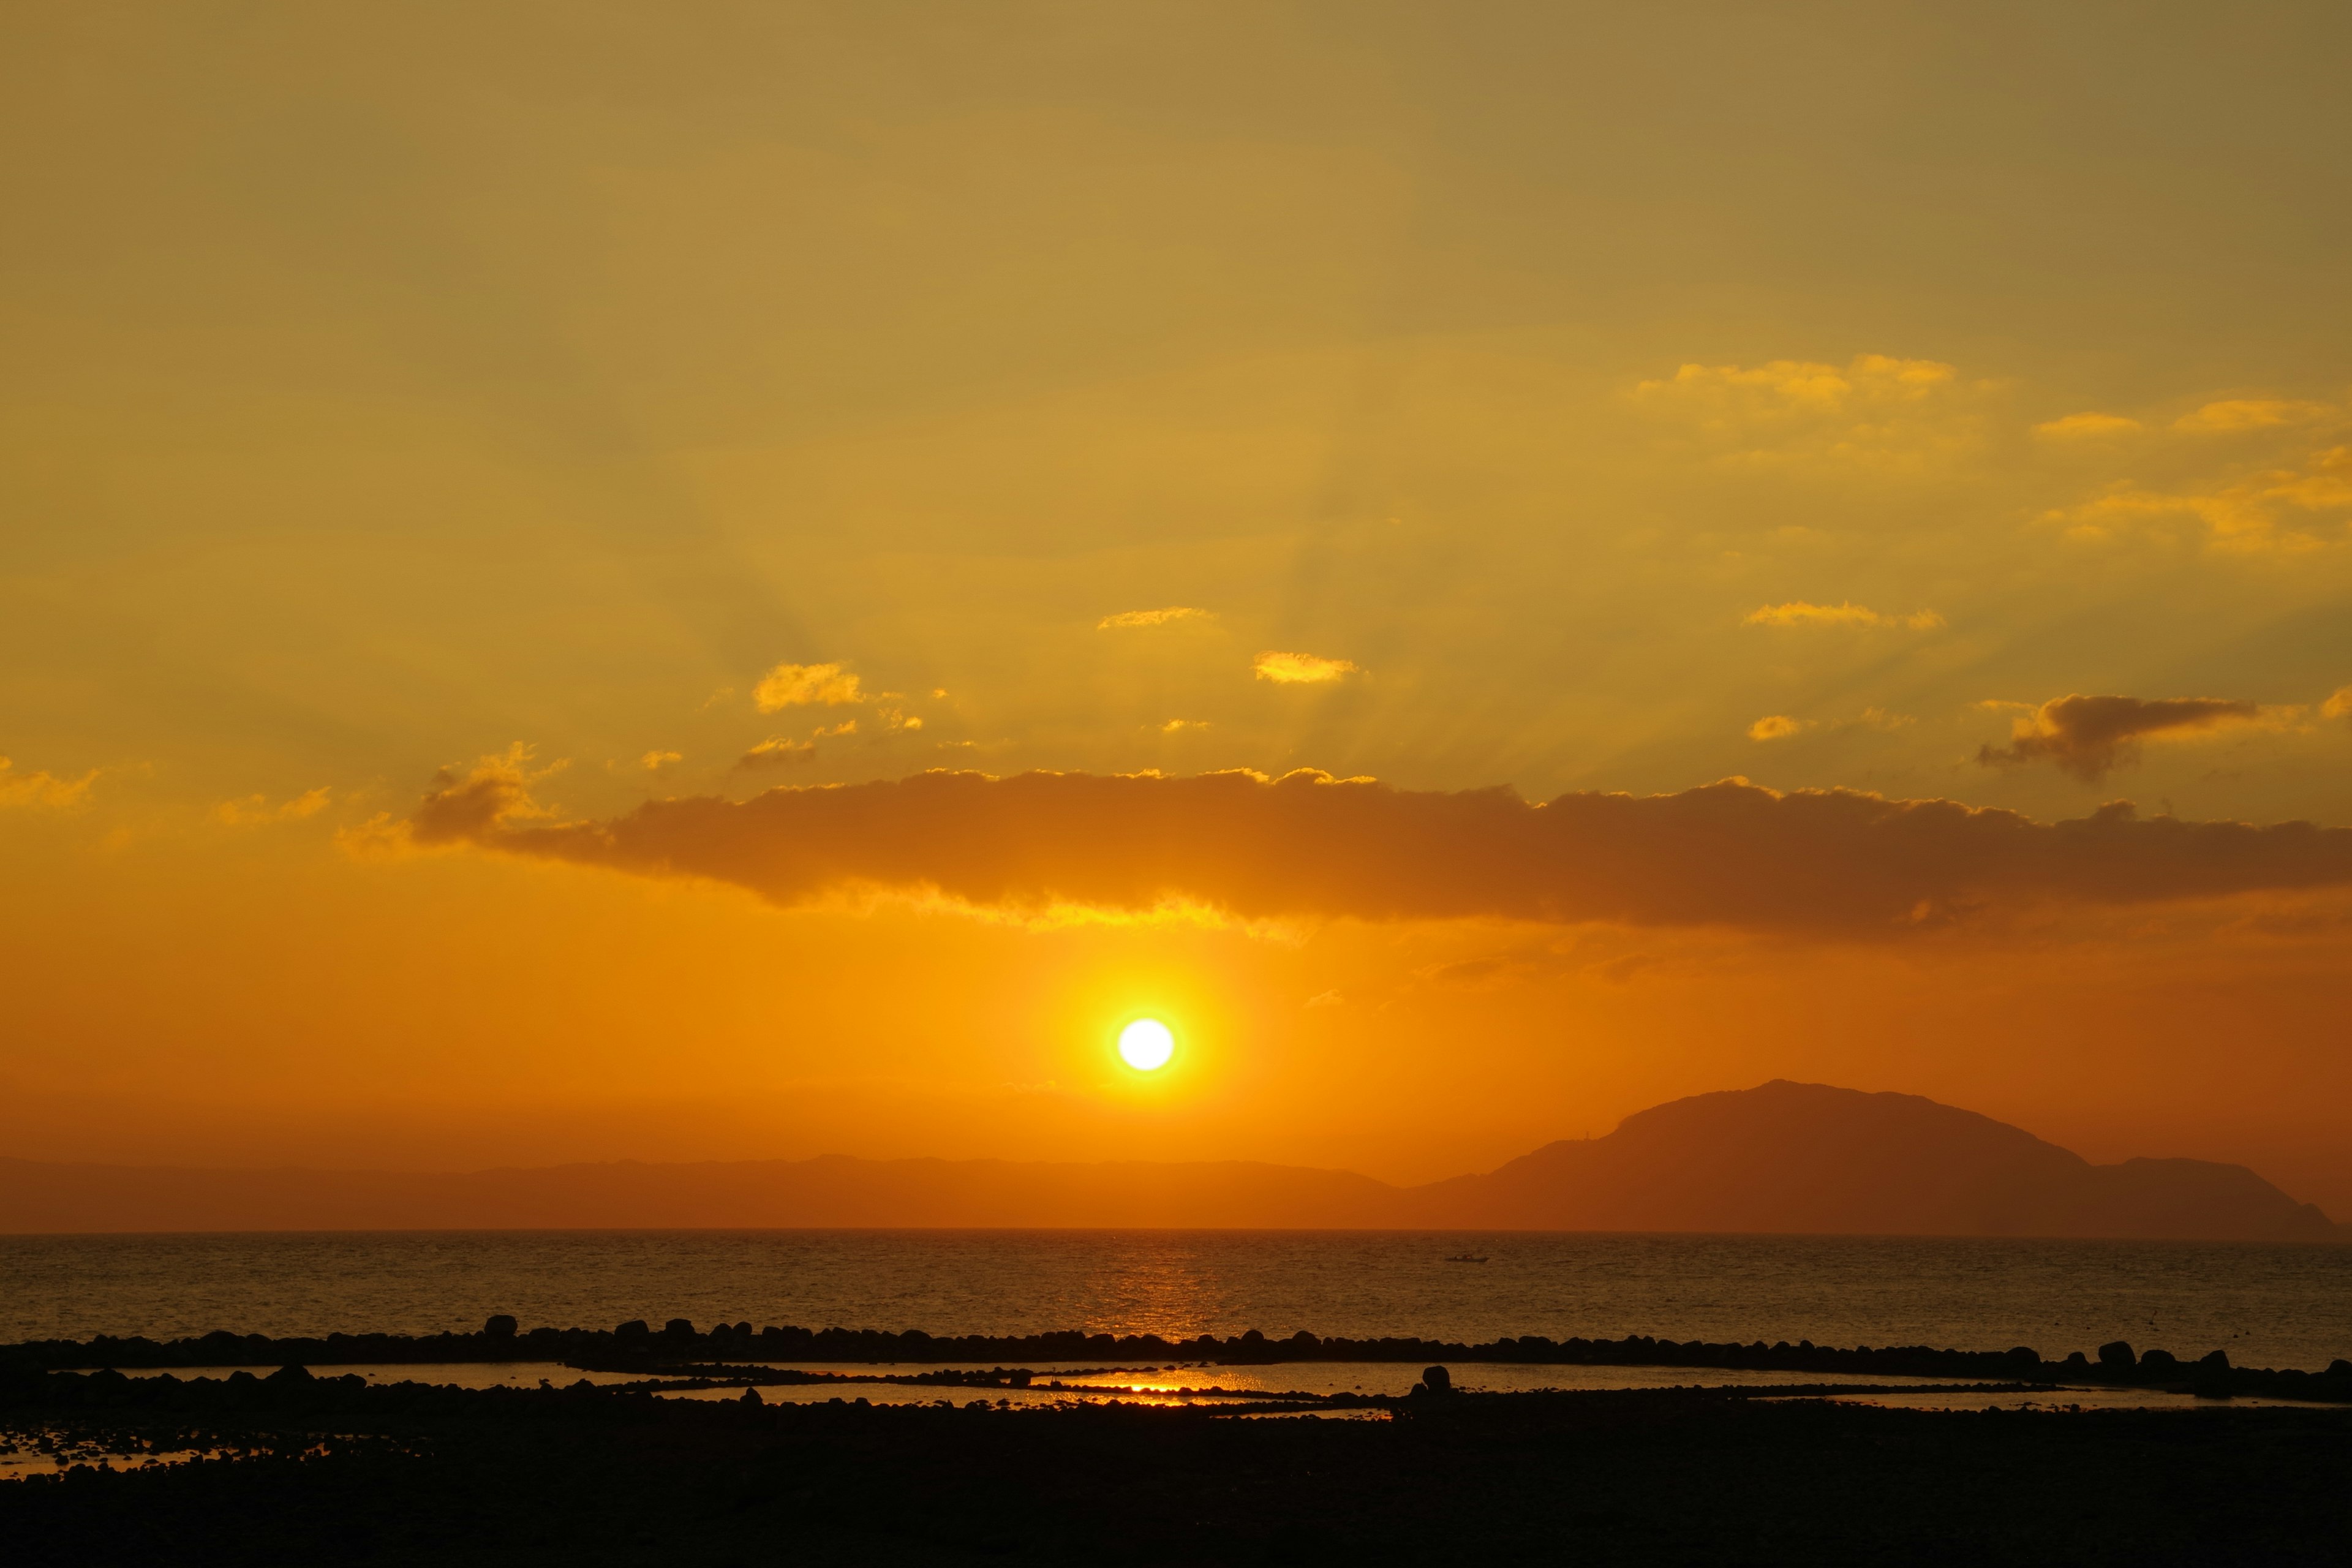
{"x": 801, "y": 685}
{"x": 1127, "y": 619}
{"x": 1309, "y": 846}
{"x": 2090, "y": 736}
{"x": 1302, "y": 668}
{"x": 1777, "y": 727}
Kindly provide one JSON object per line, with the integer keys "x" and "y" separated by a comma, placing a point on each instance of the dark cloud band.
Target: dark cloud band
{"x": 1307, "y": 845}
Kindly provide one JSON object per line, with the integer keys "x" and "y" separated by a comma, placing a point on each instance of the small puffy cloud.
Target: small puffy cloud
{"x": 492, "y": 796}
{"x": 2250, "y": 413}
{"x": 1309, "y": 846}
{"x": 777, "y": 753}
{"x": 41, "y": 789}
{"x": 2339, "y": 705}
{"x": 1777, "y": 727}
{"x": 2085, "y": 426}
{"x": 654, "y": 761}
{"x": 1152, "y": 618}
{"x": 1178, "y": 726}
{"x": 846, "y": 727}
{"x": 801, "y": 685}
{"x": 2087, "y": 736}
{"x": 255, "y": 808}
{"x": 1798, "y": 613}
{"x": 1302, "y": 668}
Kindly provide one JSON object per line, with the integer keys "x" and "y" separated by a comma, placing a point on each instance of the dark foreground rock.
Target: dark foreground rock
{"x": 327, "y": 1471}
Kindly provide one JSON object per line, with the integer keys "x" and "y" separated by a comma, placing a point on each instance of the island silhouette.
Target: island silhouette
{"x": 1783, "y": 1157}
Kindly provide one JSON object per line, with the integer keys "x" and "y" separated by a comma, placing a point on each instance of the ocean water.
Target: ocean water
{"x": 2267, "y": 1306}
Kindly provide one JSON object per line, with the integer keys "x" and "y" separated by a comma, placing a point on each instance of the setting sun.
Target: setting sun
{"x": 1146, "y": 1045}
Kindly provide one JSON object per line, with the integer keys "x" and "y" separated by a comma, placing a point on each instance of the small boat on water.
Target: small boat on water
{"x": 1464, "y": 1257}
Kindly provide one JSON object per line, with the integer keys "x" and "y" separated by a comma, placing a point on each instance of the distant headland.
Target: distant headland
{"x": 1783, "y": 1157}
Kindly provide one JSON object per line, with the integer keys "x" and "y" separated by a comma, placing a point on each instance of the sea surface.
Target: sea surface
{"x": 2267, "y": 1306}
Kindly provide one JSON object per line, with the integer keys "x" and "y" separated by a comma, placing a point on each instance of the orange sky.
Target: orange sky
{"x": 456, "y": 461}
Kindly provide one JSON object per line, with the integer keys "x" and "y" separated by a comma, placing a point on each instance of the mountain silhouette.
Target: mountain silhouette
{"x": 1784, "y": 1157}
{"x": 1801, "y": 1157}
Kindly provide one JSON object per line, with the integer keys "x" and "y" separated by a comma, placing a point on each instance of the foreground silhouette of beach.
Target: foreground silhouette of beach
{"x": 716, "y": 1446}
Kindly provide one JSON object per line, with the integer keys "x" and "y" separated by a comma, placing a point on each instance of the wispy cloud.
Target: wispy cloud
{"x": 2339, "y": 705}
{"x": 2250, "y": 414}
{"x": 41, "y": 789}
{"x": 1777, "y": 727}
{"x": 800, "y": 685}
{"x": 1876, "y": 412}
{"x": 1798, "y": 613}
{"x": 777, "y": 753}
{"x": 2090, "y": 736}
{"x": 1152, "y": 618}
{"x": 1178, "y": 726}
{"x": 654, "y": 761}
{"x": 2086, "y": 426}
{"x": 255, "y": 808}
{"x": 2270, "y": 510}
{"x": 1302, "y": 668}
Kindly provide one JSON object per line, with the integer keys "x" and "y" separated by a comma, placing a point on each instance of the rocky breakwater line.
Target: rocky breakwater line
{"x": 638, "y": 1347}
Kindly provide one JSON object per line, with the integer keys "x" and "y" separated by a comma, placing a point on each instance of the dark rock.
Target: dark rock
{"x": 2211, "y": 1379}
{"x": 2118, "y": 1354}
{"x": 291, "y": 1372}
{"x": 501, "y": 1326}
{"x": 2160, "y": 1364}
{"x": 2339, "y": 1367}
{"x": 752, "y": 1396}
{"x": 635, "y": 1329}
{"x": 1437, "y": 1379}
{"x": 678, "y": 1329}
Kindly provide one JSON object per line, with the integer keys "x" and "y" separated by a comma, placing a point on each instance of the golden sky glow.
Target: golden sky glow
{"x": 1335, "y": 491}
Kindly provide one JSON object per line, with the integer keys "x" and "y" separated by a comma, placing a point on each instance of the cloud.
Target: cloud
{"x": 1798, "y": 613}
{"x": 846, "y": 727}
{"x": 654, "y": 761}
{"x": 41, "y": 789}
{"x": 1777, "y": 726}
{"x": 255, "y": 808}
{"x": 2256, "y": 512}
{"x": 778, "y": 752}
{"x": 1152, "y": 618}
{"x": 1301, "y": 669}
{"x": 1178, "y": 726}
{"x": 2086, "y": 736}
{"x": 1327, "y": 999}
{"x": 1876, "y": 412}
{"x": 798, "y": 685}
{"x": 1802, "y": 384}
{"x": 2338, "y": 704}
{"x": 2250, "y": 413}
{"x": 2086, "y": 426}
{"x": 1310, "y": 846}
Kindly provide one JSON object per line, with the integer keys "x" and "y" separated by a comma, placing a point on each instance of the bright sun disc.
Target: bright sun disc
{"x": 1146, "y": 1045}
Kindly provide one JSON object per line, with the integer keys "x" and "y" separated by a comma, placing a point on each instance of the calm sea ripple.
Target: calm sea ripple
{"x": 2277, "y": 1306}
